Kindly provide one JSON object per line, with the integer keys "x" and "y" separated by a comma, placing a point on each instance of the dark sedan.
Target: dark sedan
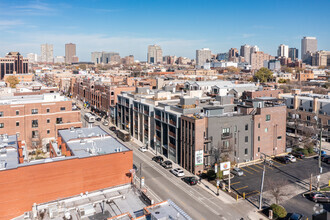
{"x": 299, "y": 155}
{"x": 158, "y": 159}
{"x": 191, "y": 180}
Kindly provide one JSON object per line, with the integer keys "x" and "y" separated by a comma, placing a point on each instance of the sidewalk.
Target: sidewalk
{"x": 225, "y": 198}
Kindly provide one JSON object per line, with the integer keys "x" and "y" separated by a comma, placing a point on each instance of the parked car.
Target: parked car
{"x": 327, "y": 160}
{"x": 282, "y": 160}
{"x": 167, "y": 164}
{"x": 320, "y": 197}
{"x": 177, "y": 172}
{"x": 324, "y": 158}
{"x": 299, "y": 154}
{"x": 112, "y": 128}
{"x": 98, "y": 119}
{"x": 191, "y": 180}
{"x": 291, "y": 158}
{"x": 143, "y": 149}
{"x": 296, "y": 216}
{"x": 135, "y": 168}
{"x": 237, "y": 172}
{"x": 105, "y": 123}
{"x": 158, "y": 159}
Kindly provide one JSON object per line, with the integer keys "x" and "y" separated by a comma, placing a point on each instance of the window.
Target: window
{"x": 59, "y": 121}
{"x": 246, "y": 127}
{"x": 226, "y": 144}
{"x": 62, "y": 108}
{"x": 225, "y": 130}
{"x": 48, "y": 110}
{"x": 34, "y": 123}
{"x": 48, "y": 120}
{"x": 34, "y": 111}
{"x": 112, "y": 93}
{"x": 1, "y": 114}
{"x": 308, "y": 118}
{"x": 17, "y": 123}
{"x": 17, "y": 112}
{"x": 246, "y": 151}
{"x": 266, "y": 130}
{"x": 235, "y": 128}
{"x": 279, "y": 137}
{"x": 310, "y": 104}
{"x": 258, "y": 138}
{"x": 291, "y": 101}
{"x": 267, "y": 117}
{"x": 258, "y": 125}
{"x": 35, "y": 134}
{"x": 2, "y": 125}
{"x": 48, "y": 131}
{"x": 258, "y": 149}
{"x": 246, "y": 139}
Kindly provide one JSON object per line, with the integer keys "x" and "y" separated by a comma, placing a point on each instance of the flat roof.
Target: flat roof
{"x": 167, "y": 210}
{"x": 86, "y": 142}
{"x": 26, "y": 99}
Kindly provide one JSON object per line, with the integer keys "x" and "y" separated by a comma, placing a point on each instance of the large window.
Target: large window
{"x": 34, "y": 111}
{"x": 34, "y": 123}
{"x": 225, "y": 130}
{"x": 246, "y": 139}
{"x": 35, "y": 134}
{"x": 2, "y": 125}
{"x": 246, "y": 127}
{"x": 59, "y": 121}
{"x": 62, "y": 108}
{"x": 17, "y": 124}
{"x": 267, "y": 117}
{"x": 246, "y": 151}
{"x": 17, "y": 112}
{"x": 1, "y": 114}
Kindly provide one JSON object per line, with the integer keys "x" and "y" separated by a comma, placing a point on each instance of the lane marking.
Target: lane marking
{"x": 253, "y": 169}
{"x": 258, "y": 166}
{"x": 242, "y": 187}
{"x": 234, "y": 183}
{"x": 252, "y": 192}
{"x": 279, "y": 162}
{"x": 246, "y": 170}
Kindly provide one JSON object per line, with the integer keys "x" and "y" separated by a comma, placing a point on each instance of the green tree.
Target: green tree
{"x": 263, "y": 75}
{"x": 13, "y": 81}
{"x": 279, "y": 211}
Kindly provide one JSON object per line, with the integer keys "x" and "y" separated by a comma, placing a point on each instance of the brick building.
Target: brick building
{"x": 13, "y": 62}
{"x": 262, "y": 93}
{"x": 90, "y": 160}
{"x": 37, "y": 118}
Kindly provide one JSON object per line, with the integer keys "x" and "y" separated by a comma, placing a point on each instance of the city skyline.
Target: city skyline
{"x": 27, "y": 25}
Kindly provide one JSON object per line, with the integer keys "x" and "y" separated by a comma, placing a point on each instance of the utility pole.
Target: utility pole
{"x": 262, "y": 182}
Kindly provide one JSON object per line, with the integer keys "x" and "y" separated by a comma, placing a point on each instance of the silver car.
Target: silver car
{"x": 237, "y": 172}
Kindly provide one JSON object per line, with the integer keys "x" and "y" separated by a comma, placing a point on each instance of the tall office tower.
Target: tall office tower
{"x": 283, "y": 51}
{"x": 246, "y": 53}
{"x": 103, "y": 57}
{"x": 254, "y": 48}
{"x": 70, "y": 52}
{"x": 155, "y": 54}
{"x": 258, "y": 58}
{"x": 308, "y": 44}
{"x": 293, "y": 53}
{"x": 13, "y": 62}
{"x": 32, "y": 57}
{"x": 47, "y": 53}
{"x": 202, "y": 56}
{"x": 233, "y": 55}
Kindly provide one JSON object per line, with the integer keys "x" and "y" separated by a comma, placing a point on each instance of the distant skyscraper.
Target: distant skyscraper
{"x": 283, "y": 51}
{"x": 47, "y": 53}
{"x": 104, "y": 57}
{"x": 258, "y": 58}
{"x": 308, "y": 44}
{"x": 233, "y": 55}
{"x": 246, "y": 53}
{"x": 32, "y": 57}
{"x": 254, "y": 49}
{"x": 70, "y": 52}
{"x": 293, "y": 53}
{"x": 155, "y": 54}
{"x": 202, "y": 56}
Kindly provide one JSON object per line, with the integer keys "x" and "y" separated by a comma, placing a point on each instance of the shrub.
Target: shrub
{"x": 211, "y": 175}
{"x": 278, "y": 211}
{"x": 305, "y": 152}
{"x": 310, "y": 150}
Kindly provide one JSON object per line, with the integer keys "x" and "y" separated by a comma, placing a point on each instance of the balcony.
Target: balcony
{"x": 158, "y": 117}
{"x": 226, "y": 136}
{"x": 172, "y": 122}
{"x": 127, "y": 104}
{"x": 158, "y": 138}
{"x": 172, "y": 134}
{"x": 146, "y": 122}
{"x": 207, "y": 140}
{"x": 135, "y": 108}
{"x": 172, "y": 145}
{"x": 158, "y": 128}
{"x": 146, "y": 112}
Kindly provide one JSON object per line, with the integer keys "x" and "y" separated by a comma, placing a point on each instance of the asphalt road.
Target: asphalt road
{"x": 194, "y": 200}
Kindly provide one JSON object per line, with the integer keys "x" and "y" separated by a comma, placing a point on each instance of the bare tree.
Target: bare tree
{"x": 276, "y": 188}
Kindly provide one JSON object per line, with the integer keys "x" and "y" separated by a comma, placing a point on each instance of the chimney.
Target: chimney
{"x": 295, "y": 102}
{"x": 315, "y": 102}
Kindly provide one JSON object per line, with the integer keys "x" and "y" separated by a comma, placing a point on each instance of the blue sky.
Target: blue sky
{"x": 179, "y": 26}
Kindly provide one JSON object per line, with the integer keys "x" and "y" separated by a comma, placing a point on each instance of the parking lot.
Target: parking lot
{"x": 297, "y": 173}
